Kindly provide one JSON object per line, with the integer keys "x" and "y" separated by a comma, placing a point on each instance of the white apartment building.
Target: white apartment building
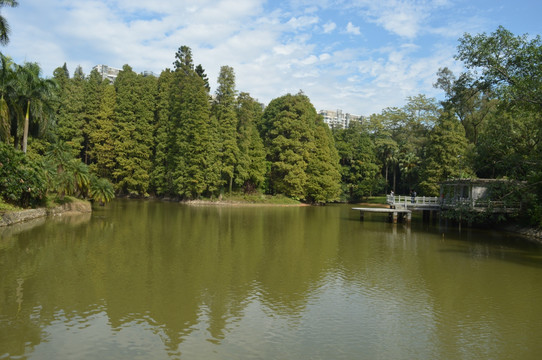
{"x": 337, "y": 119}
{"x": 107, "y": 72}
{"x": 111, "y": 73}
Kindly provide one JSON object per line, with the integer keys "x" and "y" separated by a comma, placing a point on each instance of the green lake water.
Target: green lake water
{"x": 160, "y": 280}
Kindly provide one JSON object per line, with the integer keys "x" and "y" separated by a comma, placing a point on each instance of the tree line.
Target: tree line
{"x": 170, "y": 136}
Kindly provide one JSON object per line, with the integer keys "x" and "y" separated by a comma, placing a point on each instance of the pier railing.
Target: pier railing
{"x": 413, "y": 201}
{"x": 435, "y": 202}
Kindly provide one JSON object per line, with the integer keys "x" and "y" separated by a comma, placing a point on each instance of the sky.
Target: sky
{"x": 360, "y": 56}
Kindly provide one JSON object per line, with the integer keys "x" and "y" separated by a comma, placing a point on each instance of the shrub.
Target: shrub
{"x": 22, "y": 181}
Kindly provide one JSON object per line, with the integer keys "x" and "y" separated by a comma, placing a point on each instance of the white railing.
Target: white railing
{"x": 406, "y": 201}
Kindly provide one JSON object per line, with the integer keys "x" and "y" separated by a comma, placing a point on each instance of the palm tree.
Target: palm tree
{"x": 4, "y": 27}
{"x": 35, "y": 97}
{"x": 101, "y": 190}
{"x": 6, "y": 84}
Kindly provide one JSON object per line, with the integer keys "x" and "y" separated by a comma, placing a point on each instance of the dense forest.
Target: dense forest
{"x": 170, "y": 136}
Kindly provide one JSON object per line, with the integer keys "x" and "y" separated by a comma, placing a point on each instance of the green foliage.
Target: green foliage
{"x": 290, "y": 126}
{"x": 101, "y": 190}
{"x": 323, "y": 170}
{"x": 134, "y": 116}
{"x": 4, "y": 26}
{"x": 251, "y": 164}
{"x": 359, "y": 168}
{"x": 163, "y": 162}
{"x": 193, "y": 153}
{"x": 445, "y": 155}
{"x": 22, "y": 181}
{"x": 224, "y": 111}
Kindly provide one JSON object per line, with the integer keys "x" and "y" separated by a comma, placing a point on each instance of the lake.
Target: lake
{"x": 161, "y": 280}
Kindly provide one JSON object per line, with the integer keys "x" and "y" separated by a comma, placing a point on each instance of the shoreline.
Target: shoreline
{"x": 15, "y": 217}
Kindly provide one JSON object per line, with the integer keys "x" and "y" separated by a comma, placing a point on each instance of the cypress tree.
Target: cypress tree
{"x": 251, "y": 164}
{"x": 162, "y": 182}
{"x": 102, "y": 134}
{"x": 224, "y": 110}
{"x": 92, "y": 95}
{"x": 324, "y": 178}
{"x": 192, "y": 149}
{"x": 292, "y": 133}
{"x": 71, "y": 112}
{"x": 445, "y": 154}
{"x": 134, "y": 114}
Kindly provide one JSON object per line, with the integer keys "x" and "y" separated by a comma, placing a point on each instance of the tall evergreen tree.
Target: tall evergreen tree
{"x": 251, "y": 165}
{"x": 71, "y": 112}
{"x": 324, "y": 177}
{"x": 102, "y": 133}
{"x": 290, "y": 127}
{"x": 359, "y": 164}
{"x": 134, "y": 114}
{"x": 93, "y": 90}
{"x": 224, "y": 110}
{"x": 201, "y": 72}
{"x": 445, "y": 155}
{"x": 164, "y": 141}
{"x": 192, "y": 145}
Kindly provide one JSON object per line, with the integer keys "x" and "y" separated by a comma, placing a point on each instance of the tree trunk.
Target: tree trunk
{"x": 26, "y": 125}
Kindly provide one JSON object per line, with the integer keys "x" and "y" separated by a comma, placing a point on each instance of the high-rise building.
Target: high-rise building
{"x": 107, "y": 72}
{"x": 337, "y": 119}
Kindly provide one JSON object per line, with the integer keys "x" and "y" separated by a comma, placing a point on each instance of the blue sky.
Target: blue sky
{"x": 359, "y": 56}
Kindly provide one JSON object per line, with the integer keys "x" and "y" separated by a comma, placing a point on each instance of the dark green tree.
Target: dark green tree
{"x": 289, "y": 127}
{"x": 102, "y": 134}
{"x": 164, "y": 140}
{"x": 359, "y": 164}
{"x": 35, "y": 99}
{"x": 4, "y": 26}
{"x": 225, "y": 113}
{"x": 134, "y": 116}
{"x": 193, "y": 147}
{"x": 323, "y": 170}
{"x": 251, "y": 165}
{"x": 201, "y": 72}
{"x": 70, "y": 117}
{"x": 445, "y": 155}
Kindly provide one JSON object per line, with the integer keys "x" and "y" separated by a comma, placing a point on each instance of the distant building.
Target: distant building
{"x": 111, "y": 73}
{"x": 339, "y": 120}
{"x": 107, "y": 72}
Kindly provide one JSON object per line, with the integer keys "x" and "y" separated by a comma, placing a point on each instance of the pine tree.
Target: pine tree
{"x": 192, "y": 149}
{"x": 224, "y": 110}
{"x": 445, "y": 155}
{"x": 162, "y": 182}
{"x": 93, "y": 95}
{"x": 71, "y": 113}
{"x": 289, "y": 142}
{"x": 357, "y": 154}
{"x": 134, "y": 114}
{"x": 251, "y": 164}
{"x": 291, "y": 131}
{"x": 102, "y": 134}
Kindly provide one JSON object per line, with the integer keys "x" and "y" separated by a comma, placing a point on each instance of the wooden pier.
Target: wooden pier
{"x": 393, "y": 214}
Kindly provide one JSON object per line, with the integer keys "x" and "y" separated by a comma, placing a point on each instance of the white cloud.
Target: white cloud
{"x": 352, "y": 29}
{"x": 329, "y": 27}
{"x": 274, "y": 47}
